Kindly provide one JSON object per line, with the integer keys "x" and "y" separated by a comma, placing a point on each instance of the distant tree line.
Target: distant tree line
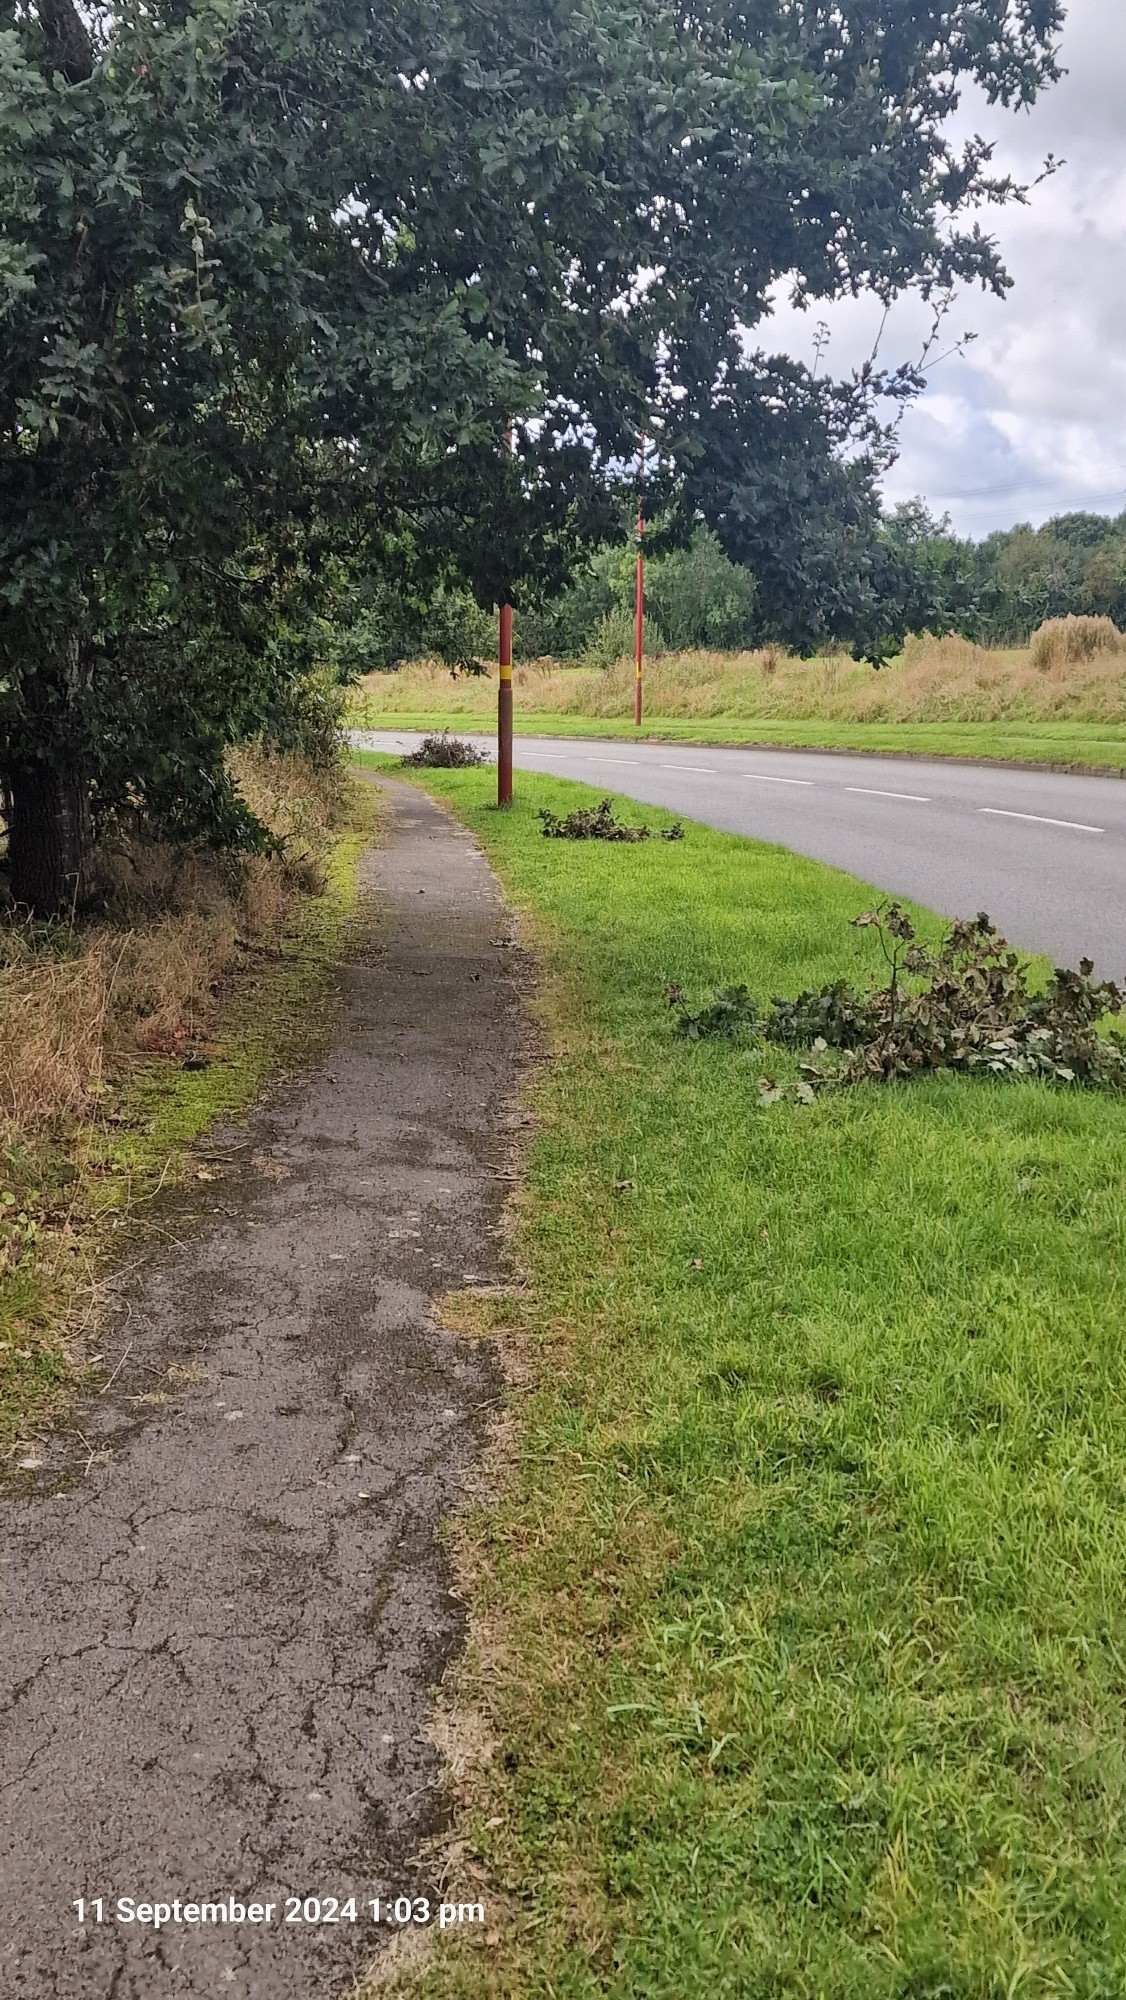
{"x": 1000, "y": 589}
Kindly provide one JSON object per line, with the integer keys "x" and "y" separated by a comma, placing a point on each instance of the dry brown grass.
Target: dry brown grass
{"x": 96, "y": 1022}
{"x": 52, "y": 1032}
{"x": 1070, "y": 642}
{"x": 148, "y": 975}
{"x": 298, "y": 802}
{"x": 1079, "y": 676}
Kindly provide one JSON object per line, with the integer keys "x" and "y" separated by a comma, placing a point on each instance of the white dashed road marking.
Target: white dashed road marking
{"x": 760, "y": 778}
{"x": 870, "y": 792}
{"x": 1074, "y": 825}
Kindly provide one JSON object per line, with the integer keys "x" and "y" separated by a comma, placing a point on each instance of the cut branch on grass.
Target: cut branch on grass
{"x": 443, "y": 752}
{"x": 973, "y": 1008}
{"x": 598, "y": 823}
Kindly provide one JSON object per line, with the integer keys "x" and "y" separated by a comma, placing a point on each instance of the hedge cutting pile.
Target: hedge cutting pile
{"x": 967, "y": 1005}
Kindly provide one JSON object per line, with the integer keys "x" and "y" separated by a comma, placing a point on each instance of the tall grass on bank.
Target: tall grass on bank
{"x": 1068, "y": 642}
{"x": 147, "y": 975}
{"x": 797, "y": 1619}
{"x": 933, "y": 680}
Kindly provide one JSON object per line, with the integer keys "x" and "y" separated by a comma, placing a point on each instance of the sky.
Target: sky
{"x": 1030, "y": 420}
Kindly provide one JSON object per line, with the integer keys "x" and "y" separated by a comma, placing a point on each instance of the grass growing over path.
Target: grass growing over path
{"x": 799, "y": 1620}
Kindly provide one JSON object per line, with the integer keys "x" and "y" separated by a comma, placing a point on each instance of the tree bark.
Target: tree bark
{"x": 50, "y": 837}
{"x": 68, "y": 39}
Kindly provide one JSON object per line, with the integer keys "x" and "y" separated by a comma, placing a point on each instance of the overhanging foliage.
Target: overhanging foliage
{"x": 275, "y": 280}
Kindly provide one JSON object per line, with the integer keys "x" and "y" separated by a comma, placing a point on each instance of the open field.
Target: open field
{"x": 941, "y": 697}
{"x": 120, "y": 1042}
{"x": 798, "y": 1622}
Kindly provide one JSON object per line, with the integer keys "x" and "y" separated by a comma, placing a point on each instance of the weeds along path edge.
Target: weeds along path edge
{"x": 797, "y": 1624}
{"x": 101, "y": 1172}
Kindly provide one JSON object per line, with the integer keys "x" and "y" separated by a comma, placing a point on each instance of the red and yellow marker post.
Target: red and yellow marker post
{"x": 504, "y": 709}
{"x": 639, "y": 597}
{"x": 504, "y": 687}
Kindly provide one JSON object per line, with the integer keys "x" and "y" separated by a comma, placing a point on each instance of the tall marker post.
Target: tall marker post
{"x": 639, "y": 595}
{"x": 504, "y": 687}
{"x": 504, "y": 709}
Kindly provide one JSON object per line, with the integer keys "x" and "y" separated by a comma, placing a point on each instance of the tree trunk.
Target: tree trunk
{"x": 50, "y": 839}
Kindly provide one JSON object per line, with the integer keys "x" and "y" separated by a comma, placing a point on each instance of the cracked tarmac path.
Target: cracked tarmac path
{"x": 217, "y": 1645}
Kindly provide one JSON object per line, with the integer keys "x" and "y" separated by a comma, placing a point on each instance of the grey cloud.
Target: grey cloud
{"x": 1031, "y": 419}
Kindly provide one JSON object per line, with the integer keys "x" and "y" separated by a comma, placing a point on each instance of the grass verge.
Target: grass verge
{"x": 798, "y": 1622}
{"x": 1078, "y": 745}
{"x": 118, "y": 1102}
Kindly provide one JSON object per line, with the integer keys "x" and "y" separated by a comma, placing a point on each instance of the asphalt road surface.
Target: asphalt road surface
{"x": 1044, "y": 852}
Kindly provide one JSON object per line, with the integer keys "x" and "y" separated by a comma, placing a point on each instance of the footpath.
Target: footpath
{"x": 222, "y": 1601}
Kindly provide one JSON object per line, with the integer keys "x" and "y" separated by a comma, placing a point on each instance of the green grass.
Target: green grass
{"x": 799, "y": 1617}
{"x": 1097, "y": 745}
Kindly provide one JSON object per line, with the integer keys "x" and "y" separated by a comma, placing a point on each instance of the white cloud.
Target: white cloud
{"x": 1031, "y": 419}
